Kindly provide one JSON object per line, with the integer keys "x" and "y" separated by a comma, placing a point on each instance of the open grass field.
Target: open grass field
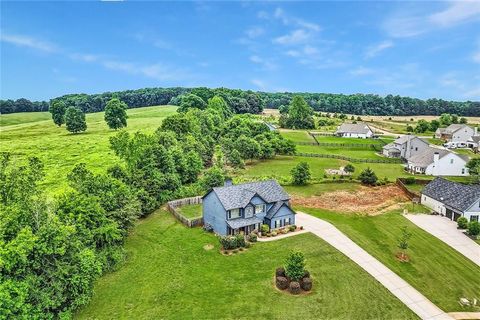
{"x": 297, "y": 135}
{"x": 355, "y": 152}
{"x": 168, "y": 274}
{"x": 22, "y": 118}
{"x": 28, "y": 134}
{"x": 439, "y": 272}
{"x": 332, "y": 139}
{"x": 191, "y": 211}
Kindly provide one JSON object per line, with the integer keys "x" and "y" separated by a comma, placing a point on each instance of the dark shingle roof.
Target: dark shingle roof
{"x": 425, "y": 158}
{"x": 453, "y": 194}
{"x": 274, "y": 209}
{"x": 239, "y": 195}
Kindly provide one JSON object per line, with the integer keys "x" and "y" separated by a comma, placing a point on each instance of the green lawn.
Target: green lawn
{"x": 297, "y": 135}
{"x": 467, "y": 152}
{"x": 332, "y": 139}
{"x": 279, "y": 168}
{"x": 439, "y": 272}
{"x": 23, "y": 117}
{"x": 416, "y": 187}
{"x": 169, "y": 275}
{"x": 357, "y": 152}
{"x": 61, "y": 151}
{"x": 191, "y": 211}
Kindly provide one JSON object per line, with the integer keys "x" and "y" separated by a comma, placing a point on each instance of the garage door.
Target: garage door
{"x": 449, "y": 214}
{"x": 456, "y": 216}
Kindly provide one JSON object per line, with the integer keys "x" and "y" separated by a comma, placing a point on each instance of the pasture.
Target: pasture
{"x": 30, "y": 134}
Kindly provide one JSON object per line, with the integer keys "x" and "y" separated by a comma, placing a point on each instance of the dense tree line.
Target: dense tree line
{"x": 242, "y": 101}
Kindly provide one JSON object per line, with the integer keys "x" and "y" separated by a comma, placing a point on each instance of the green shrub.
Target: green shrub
{"x": 292, "y": 227}
{"x": 265, "y": 228}
{"x": 294, "y": 287}
{"x": 280, "y": 272}
{"x": 410, "y": 180}
{"x": 306, "y": 284}
{"x": 252, "y": 237}
{"x": 462, "y": 223}
{"x": 274, "y": 233}
{"x": 306, "y": 274}
{"x": 281, "y": 283}
{"x": 240, "y": 240}
{"x": 295, "y": 265}
{"x": 232, "y": 242}
{"x": 474, "y": 228}
{"x": 368, "y": 177}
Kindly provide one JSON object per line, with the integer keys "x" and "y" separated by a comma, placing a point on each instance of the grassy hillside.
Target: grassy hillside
{"x": 169, "y": 275}
{"x": 26, "y": 134}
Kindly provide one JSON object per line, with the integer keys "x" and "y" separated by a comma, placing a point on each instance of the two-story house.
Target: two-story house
{"x": 438, "y": 162}
{"x": 405, "y": 147}
{"x": 232, "y": 209}
{"x": 456, "y": 135}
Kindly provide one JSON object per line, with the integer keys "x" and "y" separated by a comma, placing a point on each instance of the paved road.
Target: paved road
{"x": 447, "y": 231}
{"x": 413, "y": 299}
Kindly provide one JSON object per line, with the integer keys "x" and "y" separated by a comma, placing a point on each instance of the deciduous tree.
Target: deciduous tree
{"x": 116, "y": 114}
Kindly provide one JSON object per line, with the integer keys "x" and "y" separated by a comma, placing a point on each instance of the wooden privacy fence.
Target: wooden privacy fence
{"x": 335, "y": 156}
{"x": 172, "y": 206}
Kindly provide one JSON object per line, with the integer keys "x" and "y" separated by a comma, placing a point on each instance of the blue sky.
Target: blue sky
{"x": 418, "y": 49}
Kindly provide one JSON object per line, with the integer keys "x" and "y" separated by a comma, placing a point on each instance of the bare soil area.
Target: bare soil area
{"x": 366, "y": 200}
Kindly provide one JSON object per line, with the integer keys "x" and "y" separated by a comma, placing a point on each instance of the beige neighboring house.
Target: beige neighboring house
{"x": 456, "y": 135}
{"x": 354, "y": 130}
{"x": 438, "y": 162}
{"x": 405, "y": 147}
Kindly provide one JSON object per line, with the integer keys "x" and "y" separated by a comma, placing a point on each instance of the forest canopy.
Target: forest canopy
{"x": 246, "y": 101}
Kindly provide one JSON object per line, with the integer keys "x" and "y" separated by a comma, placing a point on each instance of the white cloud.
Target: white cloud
{"x": 261, "y": 85}
{"x": 457, "y": 83}
{"x": 84, "y": 57}
{"x": 294, "y": 37}
{"x": 361, "y": 71}
{"x": 402, "y": 25}
{"x": 254, "y": 32}
{"x": 288, "y": 20}
{"x": 374, "y": 50}
{"x": 266, "y": 64}
{"x": 27, "y": 41}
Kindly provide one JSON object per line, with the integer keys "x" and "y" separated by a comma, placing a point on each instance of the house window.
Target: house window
{"x": 234, "y": 213}
{"x": 473, "y": 218}
{"x": 249, "y": 212}
{"x": 463, "y": 170}
{"x": 278, "y": 223}
{"x": 416, "y": 148}
{"x": 259, "y": 208}
{"x": 451, "y": 161}
{"x": 286, "y": 222}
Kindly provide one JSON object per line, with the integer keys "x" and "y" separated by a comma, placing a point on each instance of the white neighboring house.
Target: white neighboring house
{"x": 443, "y": 197}
{"x": 354, "y": 130}
{"x": 438, "y": 162}
{"x": 456, "y": 135}
{"x": 405, "y": 147}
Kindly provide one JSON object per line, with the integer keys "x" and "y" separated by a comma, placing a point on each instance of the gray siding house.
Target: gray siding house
{"x": 232, "y": 209}
{"x": 405, "y": 147}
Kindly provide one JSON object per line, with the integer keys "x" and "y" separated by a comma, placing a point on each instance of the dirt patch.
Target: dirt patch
{"x": 208, "y": 247}
{"x": 366, "y": 200}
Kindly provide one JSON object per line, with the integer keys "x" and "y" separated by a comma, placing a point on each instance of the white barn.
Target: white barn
{"x": 438, "y": 162}
{"x": 354, "y": 130}
{"x": 443, "y": 197}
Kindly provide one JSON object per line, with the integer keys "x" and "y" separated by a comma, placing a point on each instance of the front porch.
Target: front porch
{"x": 243, "y": 226}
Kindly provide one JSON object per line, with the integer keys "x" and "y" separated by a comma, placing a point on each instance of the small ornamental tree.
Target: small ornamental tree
{"x": 75, "y": 120}
{"x": 57, "y": 109}
{"x": 403, "y": 242}
{"x": 301, "y": 173}
{"x": 349, "y": 168}
{"x": 116, "y": 114}
{"x": 368, "y": 177}
{"x": 462, "y": 223}
{"x": 295, "y": 265}
{"x": 474, "y": 168}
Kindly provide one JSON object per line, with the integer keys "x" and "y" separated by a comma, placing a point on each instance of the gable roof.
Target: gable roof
{"x": 448, "y": 193}
{"x": 390, "y": 146}
{"x": 406, "y": 138}
{"x": 359, "y": 128}
{"x": 425, "y": 158}
{"x": 239, "y": 195}
{"x": 454, "y": 128}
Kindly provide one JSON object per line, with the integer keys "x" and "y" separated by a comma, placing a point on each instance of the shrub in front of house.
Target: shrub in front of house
{"x": 474, "y": 228}
{"x": 294, "y": 287}
{"x": 252, "y": 237}
{"x": 462, "y": 223}
{"x": 274, "y": 233}
{"x": 232, "y": 242}
{"x": 240, "y": 240}
{"x": 306, "y": 284}
{"x": 281, "y": 283}
{"x": 410, "y": 180}
{"x": 292, "y": 227}
{"x": 265, "y": 228}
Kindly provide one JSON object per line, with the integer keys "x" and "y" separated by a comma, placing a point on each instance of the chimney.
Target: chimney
{"x": 436, "y": 157}
{"x": 228, "y": 183}
{"x": 475, "y": 131}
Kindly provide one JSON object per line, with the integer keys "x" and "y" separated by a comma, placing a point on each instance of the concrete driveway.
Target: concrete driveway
{"x": 446, "y": 230}
{"x": 413, "y": 299}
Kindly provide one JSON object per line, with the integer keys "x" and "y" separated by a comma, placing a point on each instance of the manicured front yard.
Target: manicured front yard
{"x": 169, "y": 275}
{"x": 439, "y": 272}
{"x": 297, "y": 135}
